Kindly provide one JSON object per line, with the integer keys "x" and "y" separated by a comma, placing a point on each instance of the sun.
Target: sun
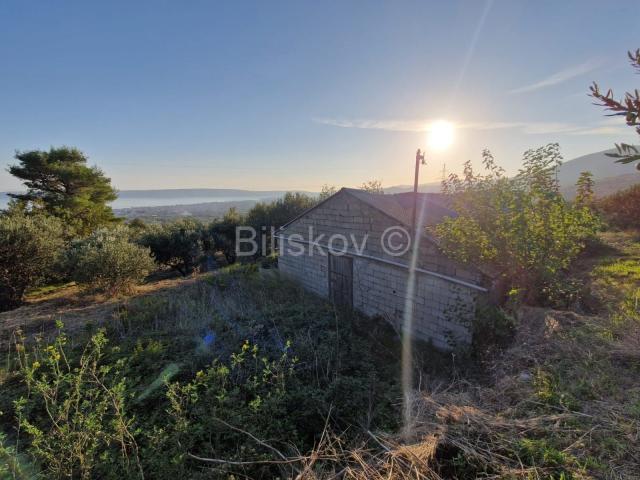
{"x": 440, "y": 135}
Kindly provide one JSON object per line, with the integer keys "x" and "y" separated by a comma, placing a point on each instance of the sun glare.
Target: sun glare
{"x": 440, "y": 135}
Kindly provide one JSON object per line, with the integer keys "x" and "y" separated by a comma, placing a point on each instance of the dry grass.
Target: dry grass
{"x": 77, "y": 309}
{"x": 529, "y": 417}
{"x": 514, "y": 425}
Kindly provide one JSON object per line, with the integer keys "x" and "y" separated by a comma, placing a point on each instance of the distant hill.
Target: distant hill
{"x": 601, "y": 166}
{"x": 182, "y": 193}
{"x": 182, "y": 196}
{"x": 609, "y": 176}
{"x": 433, "y": 187}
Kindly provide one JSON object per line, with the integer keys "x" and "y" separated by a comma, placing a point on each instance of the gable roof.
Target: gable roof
{"x": 398, "y": 206}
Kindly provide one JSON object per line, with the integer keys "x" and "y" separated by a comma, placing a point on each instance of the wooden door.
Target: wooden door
{"x": 341, "y": 280}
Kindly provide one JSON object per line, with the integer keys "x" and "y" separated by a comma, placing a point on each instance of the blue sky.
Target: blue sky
{"x": 293, "y": 95}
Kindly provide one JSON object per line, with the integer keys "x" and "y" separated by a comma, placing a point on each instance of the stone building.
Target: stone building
{"x": 354, "y": 248}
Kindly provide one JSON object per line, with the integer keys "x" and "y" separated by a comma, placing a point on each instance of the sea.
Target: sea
{"x": 138, "y": 199}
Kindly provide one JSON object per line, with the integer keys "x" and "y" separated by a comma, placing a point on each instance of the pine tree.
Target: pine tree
{"x": 60, "y": 183}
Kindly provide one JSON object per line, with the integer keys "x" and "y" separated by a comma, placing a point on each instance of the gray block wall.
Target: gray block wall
{"x": 442, "y": 310}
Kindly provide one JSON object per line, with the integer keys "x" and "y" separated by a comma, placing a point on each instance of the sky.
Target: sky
{"x": 294, "y": 95}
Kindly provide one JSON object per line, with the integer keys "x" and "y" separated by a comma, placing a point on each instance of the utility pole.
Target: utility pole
{"x": 419, "y": 160}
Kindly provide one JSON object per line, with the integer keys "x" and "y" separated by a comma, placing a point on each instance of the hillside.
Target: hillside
{"x": 320, "y": 389}
{"x": 601, "y": 166}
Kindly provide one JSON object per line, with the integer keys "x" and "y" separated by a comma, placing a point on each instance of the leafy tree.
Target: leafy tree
{"x": 29, "y": 248}
{"x": 327, "y": 191}
{"x": 520, "y": 227}
{"x": 178, "y": 245}
{"x": 265, "y": 216}
{"x": 60, "y": 183}
{"x": 584, "y": 194}
{"x": 628, "y": 107}
{"x": 280, "y": 211}
{"x": 107, "y": 260}
{"x": 373, "y": 186}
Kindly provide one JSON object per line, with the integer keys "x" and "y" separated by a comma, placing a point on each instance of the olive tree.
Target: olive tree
{"x": 108, "y": 261}
{"x": 29, "y": 248}
{"x": 178, "y": 245}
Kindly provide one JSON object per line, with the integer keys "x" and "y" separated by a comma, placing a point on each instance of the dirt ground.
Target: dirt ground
{"x": 75, "y": 308}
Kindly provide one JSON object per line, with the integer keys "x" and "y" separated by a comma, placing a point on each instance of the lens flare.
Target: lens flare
{"x": 440, "y": 135}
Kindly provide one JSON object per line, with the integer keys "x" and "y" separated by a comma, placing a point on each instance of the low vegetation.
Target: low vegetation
{"x": 235, "y": 367}
{"x": 108, "y": 261}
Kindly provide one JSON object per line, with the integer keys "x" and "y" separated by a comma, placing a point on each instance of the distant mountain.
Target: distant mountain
{"x": 609, "y": 176}
{"x": 601, "y": 166}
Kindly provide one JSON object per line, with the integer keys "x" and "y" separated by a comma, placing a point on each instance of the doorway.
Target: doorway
{"x": 341, "y": 280}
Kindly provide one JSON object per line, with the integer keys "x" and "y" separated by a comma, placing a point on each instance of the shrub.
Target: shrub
{"x": 108, "y": 261}
{"x": 83, "y": 431}
{"x": 492, "y": 329}
{"x": 521, "y": 227}
{"x": 178, "y": 245}
{"x": 249, "y": 390}
{"x": 622, "y": 209}
{"x": 29, "y": 248}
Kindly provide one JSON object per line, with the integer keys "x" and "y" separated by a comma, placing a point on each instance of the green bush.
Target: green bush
{"x": 208, "y": 414}
{"x": 108, "y": 261}
{"x": 521, "y": 227}
{"x": 75, "y": 412}
{"x": 179, "y": 245}
{"x": 29, "y": 248}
